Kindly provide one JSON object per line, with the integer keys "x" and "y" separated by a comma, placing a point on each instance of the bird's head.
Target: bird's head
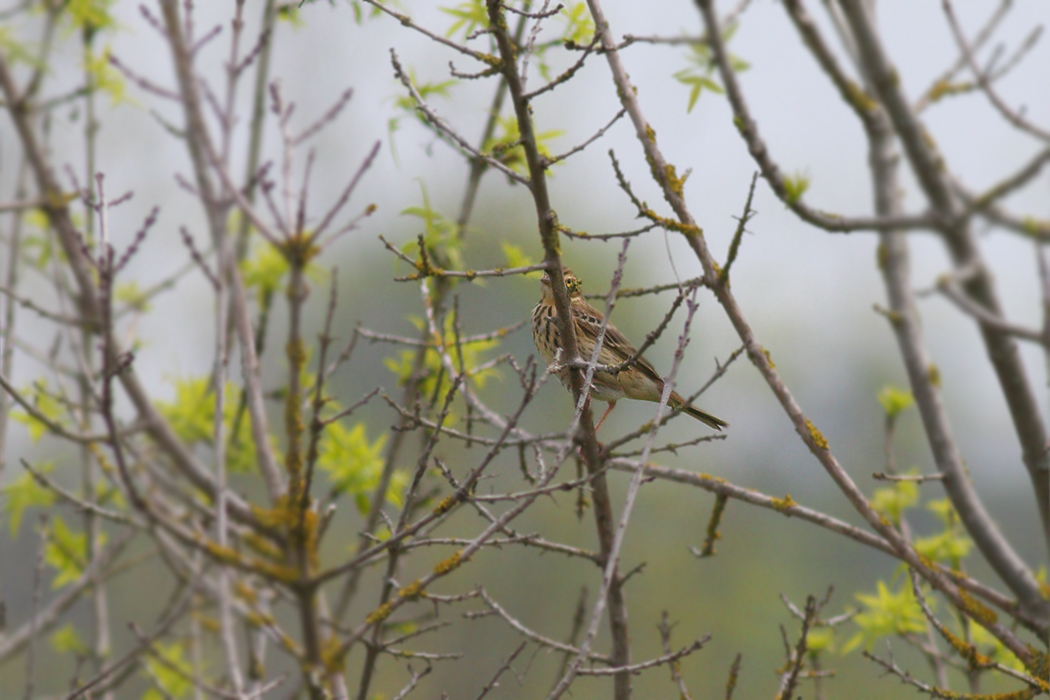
{"x": 572, "y": 283}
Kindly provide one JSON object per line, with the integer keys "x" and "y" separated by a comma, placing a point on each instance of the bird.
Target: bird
{"x": 639, "y": 381}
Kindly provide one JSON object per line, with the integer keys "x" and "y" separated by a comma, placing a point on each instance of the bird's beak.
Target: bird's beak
{"x": 546, "y": 279}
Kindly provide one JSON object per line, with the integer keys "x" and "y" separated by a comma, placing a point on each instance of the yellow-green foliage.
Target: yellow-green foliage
{"x": 887, "y": 613}
{"x": 24, "y": 492}
{"x": 45, "y": 404}
{"x": 105, "y": 78}
{"x": 470, "y": 16}
{"x": 407, "y": 103}
{"x": 795, "y": 186}
{"x": 66, "y": 551}
{"x": 264, "y": 269}
{"x": 66, "y": 640}
{"x": 951, "y": 545}
{"x": 132, "y": 295}
{"x": 893, "y": 500}
{"x": 169, "y": 676}
{"x": 697, "y": 81}
{"x": 579, "y": 25}
{"x": 699, "y": 74}
{"x": 403, "y": 365}
{"x": 894, "y": 400}
{"x": 516, "y": 258}
{"x": 90, "y": 14}
{"x": 354, "y": 464}
{"x": 192, "y": 417}
{"x": 505, "y": 146}
{"x": 820, "y": 639}
{"x": 441, "y": 236}
{"x": 16, "y": 52}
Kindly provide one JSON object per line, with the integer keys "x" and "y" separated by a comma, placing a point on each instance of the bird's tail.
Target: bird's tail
{"x": 703, "y": 417}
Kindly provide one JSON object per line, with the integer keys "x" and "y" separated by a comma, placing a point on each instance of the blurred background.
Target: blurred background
{"x": 808, "y": 295}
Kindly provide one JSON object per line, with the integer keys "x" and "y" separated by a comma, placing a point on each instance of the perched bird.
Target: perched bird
{"x": 639, "y": 381}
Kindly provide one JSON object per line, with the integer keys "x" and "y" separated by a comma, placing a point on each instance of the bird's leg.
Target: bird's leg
{"x": 612, "y": 405}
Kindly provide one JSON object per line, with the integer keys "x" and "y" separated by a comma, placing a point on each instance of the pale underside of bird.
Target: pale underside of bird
{"x": 638, "y": 381}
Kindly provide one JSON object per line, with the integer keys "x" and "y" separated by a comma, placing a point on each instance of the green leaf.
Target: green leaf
{"x": 820, "y": 639}
{"x": 91, "y": 15}
{"x": 66, "y": 551}
{"x": 264, "y": 269}
{"x": 505, "y": 145}
{"x": 403, "y": 366}
{"x": 992, "y": 647}
{"x": 105, "y": 78}
{"x": 887, "y": 613}
{"x": 516, "y": 258}
{"x": 893, "y": 500}
{"x": 469, "y": 16}
{"x": 290, "y": 13}
{"x": 192, "y": 413}
{"x": 795, "y": 186}
{"x": 948, "y": 547}
{"x": 192, "y": 417}
{"x": 171, "y": 676}
{"x": 440, "y": 234}
{"x": 25, "y": 492}
{"x": 66, "y": 640}
{"x": 352, "y": 462}
{"x": 951, "y": 545}
{"x": 131, "y": 294}
{"x": 895, "y": 400}
{"x": 16, "y": 52}
{"x": 579, "y": 25}
{"x": 46, "y": 404}
{"x": 697, "y": 83}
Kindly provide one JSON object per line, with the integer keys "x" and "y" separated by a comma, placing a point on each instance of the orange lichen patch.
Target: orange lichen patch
{"x": 258, "y": 619}
{"x": 412, "y": 591}
{"x": 288, "y": 643}
{"x": 209, "y": 623}
{"x": 445, "y": 566}
{"x": 381, "y": 613}
{"x": 299, "y": 249}
{"x": 859, "y": 98}
{"x": 284, "y": 574}
{"x": 245, "y": 592}
{"x": 977, "y": 610}
{"x": 818, "y": 438}
{"x": 224, "y": 555}
{"x": 968, "y": 651}
{"x": 104, "y": 463}
{"x": 332, "y": 658}
{"x": 263, "y": 547}
{"x": 882, "y": 255}
{"x": 289, "y": 516}
{"x": 933, "y": 374}
{"x": 446, "y": 504}
{"x": 1039, "y": 665}
{"x": 785, "y": 504}
{"x": 675, "y": 183}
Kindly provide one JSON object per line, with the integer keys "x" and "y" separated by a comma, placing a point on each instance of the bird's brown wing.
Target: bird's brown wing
{"x": 589, "y": 320}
